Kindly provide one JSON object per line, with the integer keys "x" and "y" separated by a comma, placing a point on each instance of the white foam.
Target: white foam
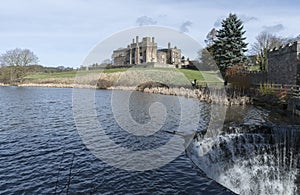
{"x": 246, "y": 164}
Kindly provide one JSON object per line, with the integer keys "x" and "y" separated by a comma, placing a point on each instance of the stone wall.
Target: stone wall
{"x": 250, "y": 77}
{"x": 148, "y": 50}
{"x": 162, "y": 57}
{"x": 174, "y": 56}
{"x": 294, "y": 106}
{"x": 284, "y": 64}
{"x": 257, "y": 77}
{"x": 119, "y": 56}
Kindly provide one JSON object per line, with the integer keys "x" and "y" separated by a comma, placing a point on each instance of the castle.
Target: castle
{"x": 284, "y": 64}
{"x": 147, "y": 53}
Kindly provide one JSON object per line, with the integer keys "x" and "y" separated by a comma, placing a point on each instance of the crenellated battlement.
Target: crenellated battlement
{"x": 284, "y": 64}
{"x": 284, "y": 49}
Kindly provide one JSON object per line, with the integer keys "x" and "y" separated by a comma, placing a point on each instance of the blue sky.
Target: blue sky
{"x": 62, "y": 32}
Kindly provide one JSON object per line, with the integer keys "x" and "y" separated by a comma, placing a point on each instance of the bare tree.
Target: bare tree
{"x": 206, "y": 58}
{"x": 106, "y": 62}
{"x": 18, "y": 57}
{"x": 264, "y": 42}
{"x": 13, "y": 65}
{"x": 210, "y": 37}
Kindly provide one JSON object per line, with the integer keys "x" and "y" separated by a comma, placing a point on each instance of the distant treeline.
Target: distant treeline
{"x": 16, "y": 74}
{"x": 101, "y": 66}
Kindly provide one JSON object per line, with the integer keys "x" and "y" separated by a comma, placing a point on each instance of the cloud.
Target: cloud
{"x": 184, "y": 27}
{"x": 244, "y": 18}
{"x": 145, "y": 20}
{"x": 218, "y": 23}
{"x": 247, "y": 19}
{"x": 274, "y": 28}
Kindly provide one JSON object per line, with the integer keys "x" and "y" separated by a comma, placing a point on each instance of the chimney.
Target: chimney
{"x": 152, "y": 39}
{"x": 137, "y": 39}
{"x": 169, "y": 45}
{"x": 132, "y": 40}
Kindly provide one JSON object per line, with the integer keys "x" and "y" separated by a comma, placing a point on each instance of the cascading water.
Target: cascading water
{"x": 251, "y": 159}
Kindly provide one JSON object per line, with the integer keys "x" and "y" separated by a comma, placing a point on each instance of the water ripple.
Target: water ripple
{"x": 38, "y": 141}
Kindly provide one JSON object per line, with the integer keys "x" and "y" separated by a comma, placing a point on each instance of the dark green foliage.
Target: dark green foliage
{"x": 229, "y": 46}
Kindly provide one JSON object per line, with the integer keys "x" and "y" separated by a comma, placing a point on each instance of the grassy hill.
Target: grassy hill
{"x": 129, "y": 76}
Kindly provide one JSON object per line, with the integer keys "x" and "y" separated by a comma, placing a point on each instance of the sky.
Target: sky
{"x": 63, "y": 32}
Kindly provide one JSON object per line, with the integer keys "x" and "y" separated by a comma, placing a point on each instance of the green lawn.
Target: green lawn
{"x": 192, "y": 74}
{"x": 35, "y": 76}
{"x": 252, "y": 68}
{"x": 201, "y": 76}
{"x": 207, "y": 76}
{"x": 68, "y": 74}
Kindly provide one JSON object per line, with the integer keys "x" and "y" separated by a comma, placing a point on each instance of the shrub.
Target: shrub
{"x": 104, "y": 84}
{"x": 266, "y": 89}
{"x": 283, "y": 94}
{"x": 150, "y": 85}
{"x": 235, "y": 75}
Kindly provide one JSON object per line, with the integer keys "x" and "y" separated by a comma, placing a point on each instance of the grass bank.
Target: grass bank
{"x": 129, "y": 76}
{"x": 177, "y": 82}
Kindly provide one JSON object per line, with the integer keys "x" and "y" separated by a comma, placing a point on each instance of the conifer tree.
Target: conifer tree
{"x": 229, "y": 46}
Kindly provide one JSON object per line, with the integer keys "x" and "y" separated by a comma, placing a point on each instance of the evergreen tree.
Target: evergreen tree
{"x": 229, "y": 46}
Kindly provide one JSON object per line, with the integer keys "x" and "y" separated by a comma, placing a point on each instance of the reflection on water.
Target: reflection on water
{"x": 258, "y": 115}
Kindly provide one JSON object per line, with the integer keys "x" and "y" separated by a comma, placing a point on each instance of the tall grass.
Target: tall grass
{"x": 266, "y": 89}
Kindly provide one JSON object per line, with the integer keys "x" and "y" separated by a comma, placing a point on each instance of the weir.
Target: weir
{"x": 251, "y": 159}
{"x": 294, "y": 106}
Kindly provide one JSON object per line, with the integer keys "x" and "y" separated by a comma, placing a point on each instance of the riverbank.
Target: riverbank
{"x": 4, "y": 85}
{"x": 56, "y": 85}
{"x": 216, "y": 96}
{"x": 178, "y": 85}
{"x": 176, "y": 82}
{"x": 213, "y": 95}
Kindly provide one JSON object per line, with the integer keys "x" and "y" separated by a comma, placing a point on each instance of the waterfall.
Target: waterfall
{"x": 251, "y": 159}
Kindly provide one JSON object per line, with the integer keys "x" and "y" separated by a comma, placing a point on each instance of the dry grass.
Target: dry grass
{"x": 135, "y": 78}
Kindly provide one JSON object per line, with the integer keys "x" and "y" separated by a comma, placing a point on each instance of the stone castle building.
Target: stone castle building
{"x": 146, "y": 52}
{"x": 284, "y": 64}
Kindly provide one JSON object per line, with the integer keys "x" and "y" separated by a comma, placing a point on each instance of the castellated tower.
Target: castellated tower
{"x": 284, "y": 64}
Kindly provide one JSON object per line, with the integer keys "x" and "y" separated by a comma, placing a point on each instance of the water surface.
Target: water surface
{"x": 42, "y": 152}
{"x": 39, "y": 145}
